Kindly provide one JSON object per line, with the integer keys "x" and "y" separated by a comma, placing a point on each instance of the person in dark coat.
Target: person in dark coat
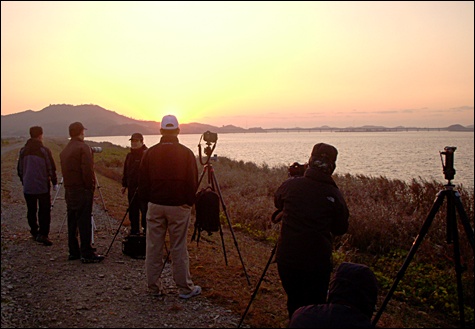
{"x": 168, "y": 181}
{"x": 313, "y": 211}
{"x": 37, "y": 171}
{"x": 351, "y": 301}
{"x": 130, "y": 182}
{"x": 77, "y": 166}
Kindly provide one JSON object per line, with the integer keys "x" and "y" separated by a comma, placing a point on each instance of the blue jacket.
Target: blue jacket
{"x": 36, "y": 167}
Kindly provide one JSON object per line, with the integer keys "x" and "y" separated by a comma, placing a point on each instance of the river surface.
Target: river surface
{"x": 396, "y": 155}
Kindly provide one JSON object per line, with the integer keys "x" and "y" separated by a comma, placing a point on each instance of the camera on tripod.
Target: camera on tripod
{"x": 296, "y": 169}
{"x": 210, "y": 137}
{"x": 448, "y": 167}
{"x": 96, "y": 149}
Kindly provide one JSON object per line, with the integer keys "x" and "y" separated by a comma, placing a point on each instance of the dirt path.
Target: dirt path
{"x": 41, "y": 288}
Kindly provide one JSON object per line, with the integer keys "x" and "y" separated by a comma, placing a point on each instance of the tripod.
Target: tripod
{"x": 453, "y": 203}
{"x": 276, "y": 217}
{"x": 213, "y": 184}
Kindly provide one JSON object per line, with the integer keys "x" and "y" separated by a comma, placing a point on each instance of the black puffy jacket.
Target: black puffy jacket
{"x": 313, "y": 211}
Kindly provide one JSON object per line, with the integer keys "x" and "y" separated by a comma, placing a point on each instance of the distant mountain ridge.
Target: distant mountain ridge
{"x": 55, "y": 120}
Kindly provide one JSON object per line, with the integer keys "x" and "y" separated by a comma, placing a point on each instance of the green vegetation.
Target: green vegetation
{"x": 386, "y": 216}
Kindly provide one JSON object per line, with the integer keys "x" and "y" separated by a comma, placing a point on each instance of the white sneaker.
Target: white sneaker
{"x": 196, "y": 291}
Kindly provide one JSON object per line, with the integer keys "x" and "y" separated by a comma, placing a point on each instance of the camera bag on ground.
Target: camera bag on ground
{"x": 207, "y": 213}
{"x": 134, "y": 246}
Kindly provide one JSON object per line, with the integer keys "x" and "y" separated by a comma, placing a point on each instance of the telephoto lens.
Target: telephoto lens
{"x": 96, "y": 149}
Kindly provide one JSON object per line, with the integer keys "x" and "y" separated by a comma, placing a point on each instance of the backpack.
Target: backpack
{"x": 207, "y": 212}
{"x": 134, "y": 246}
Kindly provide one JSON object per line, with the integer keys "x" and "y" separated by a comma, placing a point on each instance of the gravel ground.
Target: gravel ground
{"x": 41, "y": 288}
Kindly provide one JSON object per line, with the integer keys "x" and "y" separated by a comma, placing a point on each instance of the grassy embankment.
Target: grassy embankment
{"x": 385, "y": 218}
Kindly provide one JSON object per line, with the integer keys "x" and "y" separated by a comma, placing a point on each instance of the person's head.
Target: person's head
{"x": 355, "y": 285}
{"x": 36, "y": 132}
{"x": 76, "y": 129}
{"x": 323, "y": 158}
{"x": 136, "y": 141}
{"x": 169, "y": 125}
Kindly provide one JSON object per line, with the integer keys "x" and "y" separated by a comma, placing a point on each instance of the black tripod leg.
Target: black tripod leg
{"x": 464, "y": 219}
{"x": 425, "y": 227}
{"x": 258, "y": 285}
{"x": 222, "y": 243}
{"x": 230, "y": 226}
{"x": 125, "y": 215}
{"x": 458, "y": 265}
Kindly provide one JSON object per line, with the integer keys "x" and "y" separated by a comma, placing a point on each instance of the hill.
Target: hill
{"x": 99, "y": 121}
{"x": 55, "y": 120}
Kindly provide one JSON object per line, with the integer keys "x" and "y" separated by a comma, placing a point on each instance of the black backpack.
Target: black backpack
{"x": 207, "y": 212}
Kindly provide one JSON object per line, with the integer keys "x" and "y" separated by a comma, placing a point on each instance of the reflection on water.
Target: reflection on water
{"x": 395, "y": 155}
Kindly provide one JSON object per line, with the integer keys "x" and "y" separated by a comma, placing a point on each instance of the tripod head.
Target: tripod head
{"x": 448, "y": 167}
{"x": 210, "y": 139}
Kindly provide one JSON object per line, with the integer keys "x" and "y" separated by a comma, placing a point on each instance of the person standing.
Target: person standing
{"x": 168, "y": 181}
{"x": 313, "y": 210}
{"x": 36, "y": 169}
{"x": 130, "y": 182}
{"x": 77, "y": 166}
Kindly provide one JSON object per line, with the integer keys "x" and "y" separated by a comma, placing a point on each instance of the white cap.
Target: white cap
{"x": 169, "y": 122}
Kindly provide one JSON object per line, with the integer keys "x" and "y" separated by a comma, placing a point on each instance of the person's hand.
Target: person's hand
{"x": 55, "y": 187}
{"x": 123, "y": 189}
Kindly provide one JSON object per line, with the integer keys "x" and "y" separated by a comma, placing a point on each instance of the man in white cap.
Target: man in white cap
{"x": 168, "y": 180}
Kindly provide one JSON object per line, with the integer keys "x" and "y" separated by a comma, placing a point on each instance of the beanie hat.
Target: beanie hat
{"x": 323, "y": 157}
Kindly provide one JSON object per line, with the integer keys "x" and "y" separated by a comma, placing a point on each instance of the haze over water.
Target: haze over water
{"x": 395, "y": 155}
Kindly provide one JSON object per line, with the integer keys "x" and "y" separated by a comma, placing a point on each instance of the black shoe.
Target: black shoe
{"x": 73, "y": 257}
{"x": 34, "y": 235}
{"x": 93, "y": 259}
{"x": 44, "y": 240}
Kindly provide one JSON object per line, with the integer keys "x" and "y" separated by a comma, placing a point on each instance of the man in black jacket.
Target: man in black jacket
{"x": 36, "y": 168}
{"x": 168, "y": 181}
{"x": 77, "y": 166}
{"x": 313, "y": 210}
{"x": 130, "y": 182}
{"x": 351, "y": 301}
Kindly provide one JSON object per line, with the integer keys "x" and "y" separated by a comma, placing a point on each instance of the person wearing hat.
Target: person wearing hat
{"x": 77, "y": 166}
{"x": 36, "y": 169}
{"x": 130, "y": 182}
{"x": 313, "y": 211}
{"x": 352, "y": 298}
{"x": 168, "y": 181}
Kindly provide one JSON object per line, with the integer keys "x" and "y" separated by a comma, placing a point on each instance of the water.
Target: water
{"x": 396, "y": 155}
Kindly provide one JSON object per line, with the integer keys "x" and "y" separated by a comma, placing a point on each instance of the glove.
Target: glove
{"x": 55, "y": 187}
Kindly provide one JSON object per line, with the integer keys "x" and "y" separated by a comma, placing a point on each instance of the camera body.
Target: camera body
{"x": 296, "y": 169}
{"x": 210, "y": 137}
{"x": 448, "y": 167}
{"x": 96, "y": 149}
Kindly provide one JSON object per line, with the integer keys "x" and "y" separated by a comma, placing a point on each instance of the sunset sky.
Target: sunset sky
{"x": 250, "y": 64}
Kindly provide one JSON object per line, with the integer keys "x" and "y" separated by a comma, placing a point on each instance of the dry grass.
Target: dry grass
{"x": 385, "y": 218}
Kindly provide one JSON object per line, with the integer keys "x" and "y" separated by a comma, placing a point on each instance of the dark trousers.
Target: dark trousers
{"x": 79, "y": 204}
{"x": 303, "y": 287}
{"x": 137, "y": 212}
{"x": 40, "y": 203}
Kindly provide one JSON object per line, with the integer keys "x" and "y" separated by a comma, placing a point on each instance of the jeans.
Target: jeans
{"x": 42, "y": 204}
{"x": 137, "y": 212}
{"x": 79, "y": 204}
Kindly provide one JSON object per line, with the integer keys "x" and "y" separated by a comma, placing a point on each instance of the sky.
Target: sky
{"x": 249, "y": 64}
